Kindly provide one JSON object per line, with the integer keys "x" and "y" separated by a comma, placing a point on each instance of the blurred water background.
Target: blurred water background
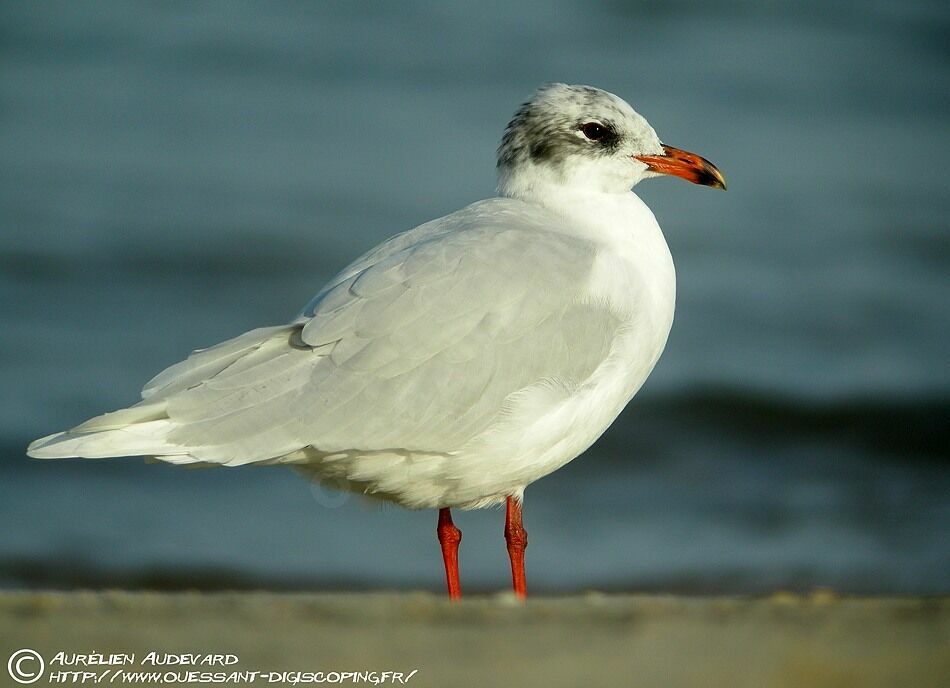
{"x": 174, "y": 174}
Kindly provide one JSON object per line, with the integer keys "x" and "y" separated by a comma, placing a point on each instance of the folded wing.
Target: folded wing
{"x": 417, "y": 347}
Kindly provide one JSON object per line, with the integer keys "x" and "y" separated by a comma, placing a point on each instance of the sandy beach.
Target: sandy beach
{"x": 586, "y": 640}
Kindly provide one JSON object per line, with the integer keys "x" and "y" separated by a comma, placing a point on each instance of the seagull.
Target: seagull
{"x": 458, "y": 362}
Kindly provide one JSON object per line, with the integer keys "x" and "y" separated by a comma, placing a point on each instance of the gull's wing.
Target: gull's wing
{"x": 416, "y": 347}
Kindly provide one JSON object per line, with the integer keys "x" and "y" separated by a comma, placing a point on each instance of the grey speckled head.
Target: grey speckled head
{"x": 582, "y": 139}
{"x": 564, "y": 129}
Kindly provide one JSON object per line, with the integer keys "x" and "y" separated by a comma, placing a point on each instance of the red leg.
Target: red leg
{"x": 517, "y": 538}
{"x": 449, "y": 538}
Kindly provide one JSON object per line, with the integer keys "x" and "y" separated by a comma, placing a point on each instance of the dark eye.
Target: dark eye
{"x": 594, "y": 131}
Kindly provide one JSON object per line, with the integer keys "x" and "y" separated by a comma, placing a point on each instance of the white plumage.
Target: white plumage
{"x": 455, "y": 363}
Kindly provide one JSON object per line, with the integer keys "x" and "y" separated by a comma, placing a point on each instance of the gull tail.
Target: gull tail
{"x": 140, "y": 430}
{"x": 143, "y": 429}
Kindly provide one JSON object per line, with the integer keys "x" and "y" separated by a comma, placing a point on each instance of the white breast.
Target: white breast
{"x": 633, "y": 273}
{"x": 633, "y": 276}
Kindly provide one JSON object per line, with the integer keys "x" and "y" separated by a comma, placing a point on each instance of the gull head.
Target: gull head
{"x": 585, "y": 138}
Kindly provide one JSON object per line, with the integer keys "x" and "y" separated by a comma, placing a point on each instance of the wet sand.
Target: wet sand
{"x": 586, "y": 640}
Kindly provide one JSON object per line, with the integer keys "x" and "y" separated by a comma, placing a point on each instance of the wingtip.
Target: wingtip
{"x": 42, "y": 448}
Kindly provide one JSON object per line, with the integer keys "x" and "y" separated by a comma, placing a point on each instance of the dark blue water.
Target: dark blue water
{"x": 174, "y": 174}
